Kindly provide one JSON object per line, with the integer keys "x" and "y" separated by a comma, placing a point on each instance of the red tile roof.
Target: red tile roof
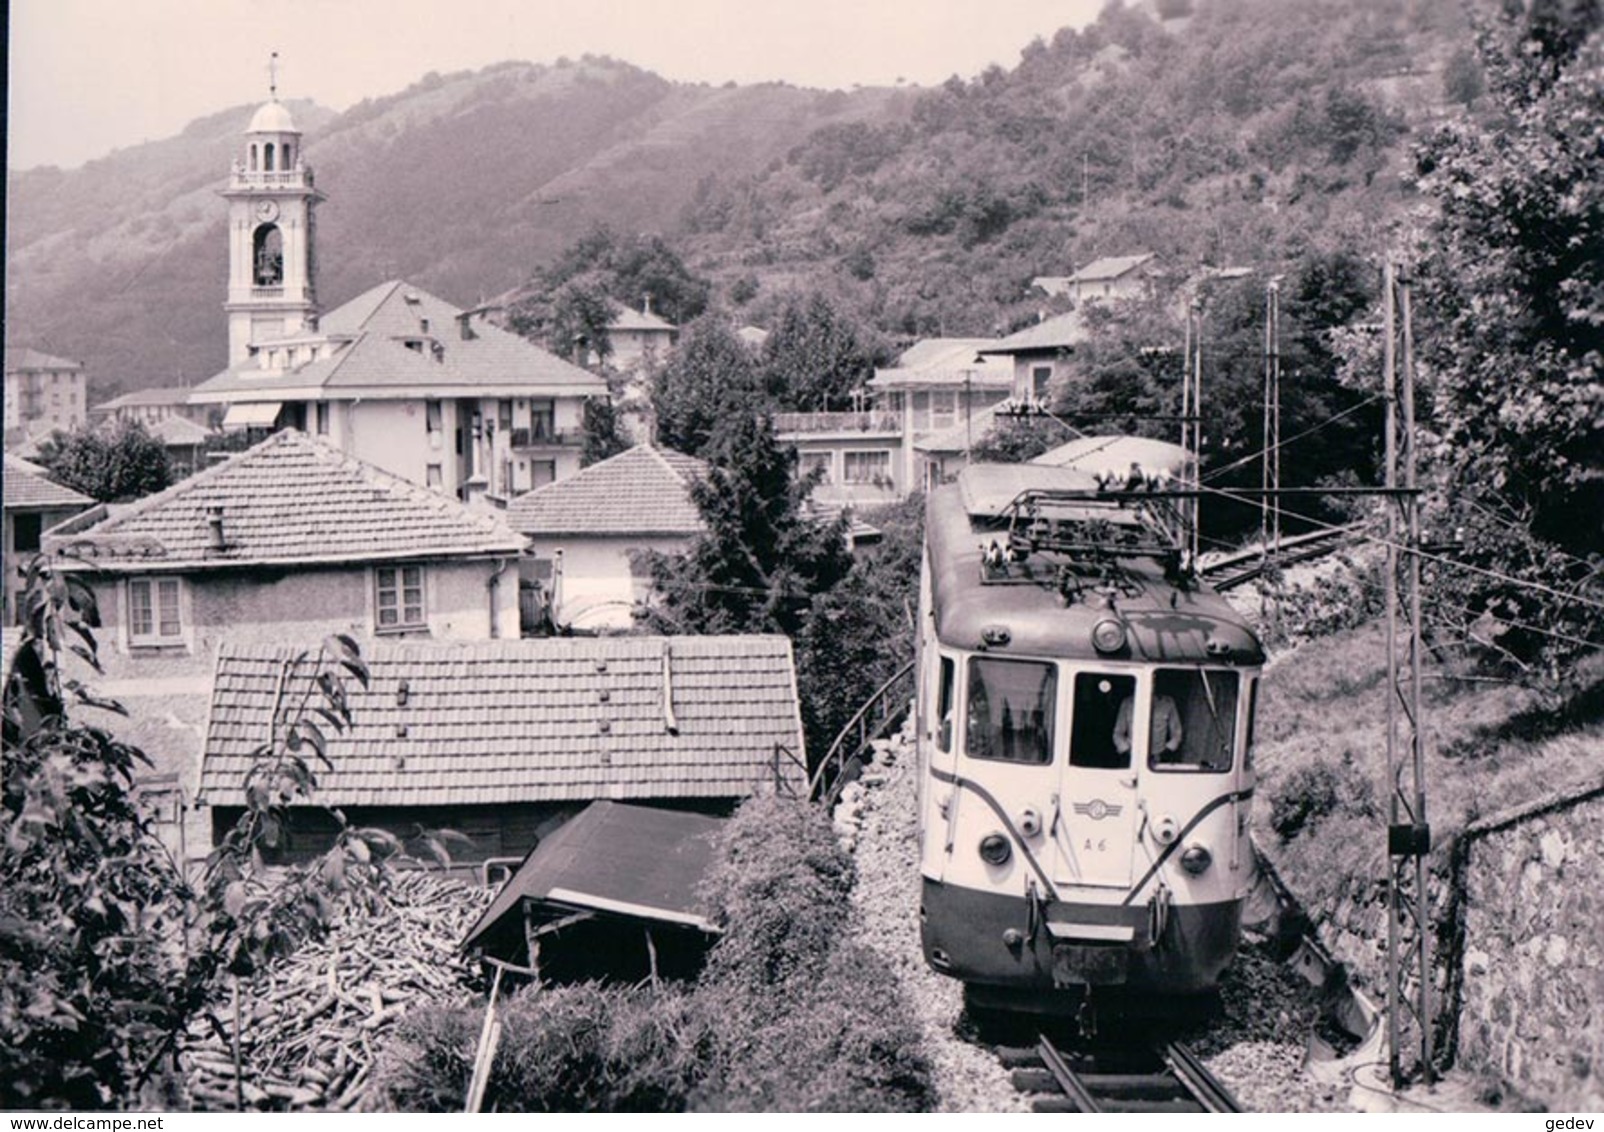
{"x": 642, "y": 491}
{"x": 29, "y": 487}
{"x": 559, "y": 719}
{"x": 288, "y": 500}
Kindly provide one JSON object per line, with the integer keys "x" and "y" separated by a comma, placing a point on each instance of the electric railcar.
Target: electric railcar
{"x": 1085, "y": 717}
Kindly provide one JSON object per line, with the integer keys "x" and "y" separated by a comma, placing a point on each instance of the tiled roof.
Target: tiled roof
{"x": 642, "y": 491}
{"x": 368, "y": 336}
{"x": 176, "y": 431}
{"x": 628, "y": 318}
{"x": 140, "y": 397}
{"x": 26, "y": 357}
{"x": 30, "y": 486}
{"x": 947, "y": 363}
{"x": 290, "y": 499}
{"x": 558, "y": 719}
{"x": 1060, "y": 332}
{"x": 1109, "y": 267}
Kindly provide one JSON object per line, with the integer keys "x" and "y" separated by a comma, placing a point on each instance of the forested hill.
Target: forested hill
{"x": 1248, "y": 133}
{"x": 1241, "y": 134}
{"x": 465, "y": 184}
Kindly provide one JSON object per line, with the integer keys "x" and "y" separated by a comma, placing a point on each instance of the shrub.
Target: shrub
{"x": 1313, "y": 792}
{"x": 789, "y": 1015}
{"x": 585, "y": 1047}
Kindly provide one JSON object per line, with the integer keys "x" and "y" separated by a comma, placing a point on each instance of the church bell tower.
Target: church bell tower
{"x": 271, "y": 233}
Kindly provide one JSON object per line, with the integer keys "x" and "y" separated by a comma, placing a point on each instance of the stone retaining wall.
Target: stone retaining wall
{"x": 1532, "y": 999}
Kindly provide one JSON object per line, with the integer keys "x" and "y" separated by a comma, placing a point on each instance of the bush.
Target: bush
{"x": 789, "y": 1015}
{"x": 585, "y": 1047}
{"x": 1311, "y": 793}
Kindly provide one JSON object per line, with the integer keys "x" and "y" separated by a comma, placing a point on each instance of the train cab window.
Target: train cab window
{"x": 1192, "y": 726}
{"x": 1010, "y": 716}
{"x": 944, "y": 703}
{"x": 1099, "y": 698}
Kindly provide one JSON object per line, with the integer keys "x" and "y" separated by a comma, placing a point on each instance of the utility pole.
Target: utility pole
{"x": 1270, "y": 461}
{"x": 1192, "y": 423}
{"x": 1409, "y": 922}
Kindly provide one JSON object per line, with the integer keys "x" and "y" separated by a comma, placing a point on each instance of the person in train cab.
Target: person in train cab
{"x": 1164, "y": 732}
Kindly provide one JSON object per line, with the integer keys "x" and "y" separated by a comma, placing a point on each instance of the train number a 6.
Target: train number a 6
{"x": 1100, "y": 845}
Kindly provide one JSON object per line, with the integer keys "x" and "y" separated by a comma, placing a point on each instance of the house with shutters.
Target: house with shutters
{"x": 505, "y": 741}
{"x": 588, "y": 534}
{"x": 396, "y": 377}
{"x": 873, "y": 457}
{"x": 33, "y": 504}
{"x": 290, "y": 539}
{"x": 1106, "y": 278}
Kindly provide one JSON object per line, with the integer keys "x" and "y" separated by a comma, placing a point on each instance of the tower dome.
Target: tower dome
{"x": 272, "y": 118}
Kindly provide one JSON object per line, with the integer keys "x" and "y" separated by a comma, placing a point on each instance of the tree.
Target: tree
{"x": 817, "y": 355}
{"x": 91, "y": 906}
{"x": 117, "y": 461}
{"x": 1511, "y": 289}
{"x": 602, "y": 435}
{"x": 710, "y": 378}
{"x": 762, "y": 561}
{"x": 100, "y": 973}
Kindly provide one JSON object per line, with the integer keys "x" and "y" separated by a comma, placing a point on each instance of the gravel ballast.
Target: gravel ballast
{"x": 1256, "y": 1046}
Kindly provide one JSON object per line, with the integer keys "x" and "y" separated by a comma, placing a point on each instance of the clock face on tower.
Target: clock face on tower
{"x": 266, "y": 210}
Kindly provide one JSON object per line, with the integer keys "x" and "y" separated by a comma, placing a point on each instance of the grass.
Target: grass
{"x": 1321, "y": 753}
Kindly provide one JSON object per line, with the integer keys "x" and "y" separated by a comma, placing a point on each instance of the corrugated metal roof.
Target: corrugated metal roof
{"x": 30, "y": 486}
{"x": 617, "y": 858}
{"x": 290, "y": 499}
{"x": 552, "y": 720}
{"x": 644, "y": 490}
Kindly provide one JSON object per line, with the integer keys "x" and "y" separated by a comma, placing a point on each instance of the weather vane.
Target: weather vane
{"x": 272, "y": 76}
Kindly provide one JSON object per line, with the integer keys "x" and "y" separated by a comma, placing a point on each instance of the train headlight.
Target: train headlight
{"x": 1166, "y": 830}
{"x": 995, "y": 850}
{"x": 1108, "y": 635}
{"x": 1196, "y": 859}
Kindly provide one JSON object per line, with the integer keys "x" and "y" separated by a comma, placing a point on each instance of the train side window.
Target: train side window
{"x": 1253, "y": 712}
{"x": 1010, "y": 710}
{"x": 944, "y": 704}
{"x": 1193, "y": 724}
{"x": 1098, "y": 698}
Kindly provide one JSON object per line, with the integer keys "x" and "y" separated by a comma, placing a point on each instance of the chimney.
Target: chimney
{"x": 214, "y": 524}
{"x": 646, "y": 303}
{"x": 474, "y": 490}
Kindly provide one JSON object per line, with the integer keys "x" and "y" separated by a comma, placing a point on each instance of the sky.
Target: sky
{"x": 90, "y": 76}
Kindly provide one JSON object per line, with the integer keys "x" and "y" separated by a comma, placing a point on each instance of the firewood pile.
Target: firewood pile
{"x": 311, "y": 1026}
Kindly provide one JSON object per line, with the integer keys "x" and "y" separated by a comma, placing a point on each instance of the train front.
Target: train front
{"x": 1084, "y": 742}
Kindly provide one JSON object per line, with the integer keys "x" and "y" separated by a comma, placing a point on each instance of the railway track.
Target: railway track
{"x": 1136, "y": 1077}
{"x": 1246, "y": 565}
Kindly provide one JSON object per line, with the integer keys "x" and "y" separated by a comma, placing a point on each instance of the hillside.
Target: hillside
{"x": 465, "y": 183}
{"x": 1247, "y": 134}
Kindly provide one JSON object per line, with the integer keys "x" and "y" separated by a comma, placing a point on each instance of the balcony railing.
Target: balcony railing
{"x": 837, "y": 422}
{"x": 546, "y": 437}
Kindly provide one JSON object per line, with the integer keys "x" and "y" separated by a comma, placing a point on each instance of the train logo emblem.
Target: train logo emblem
{"x": 1097, "y": 809}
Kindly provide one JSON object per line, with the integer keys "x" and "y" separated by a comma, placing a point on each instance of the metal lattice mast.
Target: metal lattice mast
{"x": 1409, "y": 1019}
{"x": 1192, "y": 423}
{"x": 1270, "y": 460}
